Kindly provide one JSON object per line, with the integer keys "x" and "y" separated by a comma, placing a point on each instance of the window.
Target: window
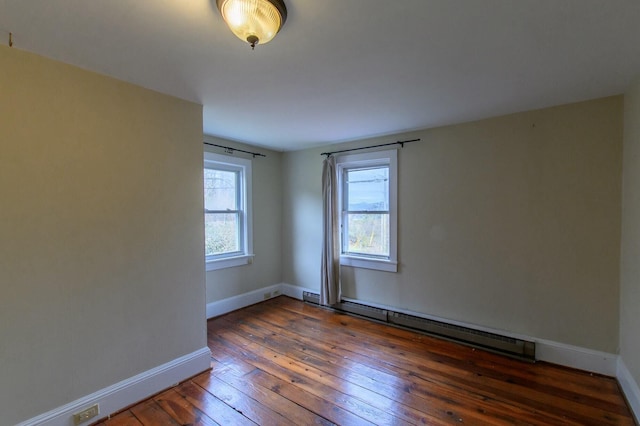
{"x": 227, "y": 211}
{"x": 367, "y": 201}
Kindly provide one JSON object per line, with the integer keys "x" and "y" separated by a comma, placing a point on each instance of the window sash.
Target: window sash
{"x": 365, "y": 235}
{"x": 362, "y": 241}
{"x": 241, "y": 251}
{"x": 235, "y": 241}
{"x": 358, "y": 181}
{"x": 386, "y": 259}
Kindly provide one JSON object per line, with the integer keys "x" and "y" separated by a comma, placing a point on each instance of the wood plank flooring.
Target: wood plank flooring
{"x": 283, "y": 362}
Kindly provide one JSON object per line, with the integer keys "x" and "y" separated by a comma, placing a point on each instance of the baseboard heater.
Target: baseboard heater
{"x": 518, "y": 348}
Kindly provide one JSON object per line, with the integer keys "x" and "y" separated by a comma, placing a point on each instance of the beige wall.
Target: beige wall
{"x": 267, "y": 227}
{"x": 630, "y": 263}
{"x": 511, "y": 223}
{"x": 101, "y": 232}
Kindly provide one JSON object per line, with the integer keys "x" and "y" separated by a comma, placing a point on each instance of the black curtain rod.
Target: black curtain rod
{"x": 401, "y": 143}
{"x": 230, "y": 150}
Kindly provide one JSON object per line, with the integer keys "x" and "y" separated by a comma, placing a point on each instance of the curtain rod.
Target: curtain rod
{"x": 401, "y": 143}
{"x": 230, "y": 150}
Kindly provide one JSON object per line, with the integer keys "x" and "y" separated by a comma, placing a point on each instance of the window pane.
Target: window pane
{"x": 220, "y": 190}
{"x": 368, "y": 234}
{"x": 368, "y": 189}
{"x": 221, "y": 233}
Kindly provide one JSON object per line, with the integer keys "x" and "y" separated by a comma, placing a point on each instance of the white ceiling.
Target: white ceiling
{"x": 345, "y": 69}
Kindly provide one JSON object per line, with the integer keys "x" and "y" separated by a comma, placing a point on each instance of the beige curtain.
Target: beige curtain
{"x": 330, "y": 290}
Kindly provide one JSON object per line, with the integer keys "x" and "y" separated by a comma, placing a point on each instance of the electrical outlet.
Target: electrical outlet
{"x": 267, "y": 296}
{"x": 84, "y": 415}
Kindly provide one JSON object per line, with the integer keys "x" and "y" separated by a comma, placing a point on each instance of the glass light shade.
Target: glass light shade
{"x": 253, "y": 21}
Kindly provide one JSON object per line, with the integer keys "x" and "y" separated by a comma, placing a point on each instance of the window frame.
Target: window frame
{"x": 243, "y": 167}
{"x": 387, "y": 158}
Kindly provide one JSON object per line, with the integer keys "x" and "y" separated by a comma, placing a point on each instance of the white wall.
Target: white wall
{"x": 101, "y": 233}
{"x": 630, "y": 262}
{"x": 266, "y": 268}
{"x": 511, "y": 223}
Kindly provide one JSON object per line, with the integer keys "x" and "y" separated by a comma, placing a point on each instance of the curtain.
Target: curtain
{"x": 330, "y": 290}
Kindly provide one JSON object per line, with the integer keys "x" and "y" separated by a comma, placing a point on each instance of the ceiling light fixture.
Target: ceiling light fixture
{"x": 254, "y": 21}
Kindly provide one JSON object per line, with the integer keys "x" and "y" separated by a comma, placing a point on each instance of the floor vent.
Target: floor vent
{"x": 495, "y": 342}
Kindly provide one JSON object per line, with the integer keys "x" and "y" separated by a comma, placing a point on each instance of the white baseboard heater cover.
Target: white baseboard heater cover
{"x": 494, "y": 342}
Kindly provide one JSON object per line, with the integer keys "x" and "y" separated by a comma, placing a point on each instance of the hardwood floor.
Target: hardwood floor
{"x": 283, "y": 362}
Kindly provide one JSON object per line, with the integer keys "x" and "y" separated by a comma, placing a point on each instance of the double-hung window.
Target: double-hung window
{"x": 368, "y": 202}
{"x": 227, "y": 211}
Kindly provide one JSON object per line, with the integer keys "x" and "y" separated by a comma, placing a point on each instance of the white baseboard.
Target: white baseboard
{"x": 230, "y": 304}
{"x": 121, "y": 395}
{"x": 577, "y": 357}
{"x": 629, "y": 388}
{"x": 295, "y": 291}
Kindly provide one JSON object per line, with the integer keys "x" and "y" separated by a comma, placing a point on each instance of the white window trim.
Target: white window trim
{"x": 245, "y": 258}
{"x": 229, "y": 262}
{"x": 389, "y": 157}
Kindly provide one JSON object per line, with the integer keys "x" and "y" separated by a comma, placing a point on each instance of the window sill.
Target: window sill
{"x": 229, "y": 262}
{"x": 368, "y": 263}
